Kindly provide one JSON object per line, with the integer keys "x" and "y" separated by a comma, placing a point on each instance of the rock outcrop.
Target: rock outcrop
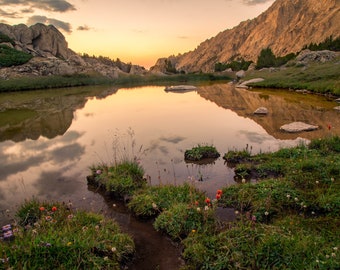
{"x": 38, "y": 40}
{"x": 52, "y": 55}
{"x": 286, "y": 27}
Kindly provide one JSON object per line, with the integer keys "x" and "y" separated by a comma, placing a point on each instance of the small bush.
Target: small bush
{"x": 11, "y": 57}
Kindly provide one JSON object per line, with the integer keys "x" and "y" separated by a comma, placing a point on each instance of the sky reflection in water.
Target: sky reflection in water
{"x": 163, "y": 124}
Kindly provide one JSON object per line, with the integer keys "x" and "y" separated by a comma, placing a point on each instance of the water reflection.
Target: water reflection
{"x": 48, "y": 139}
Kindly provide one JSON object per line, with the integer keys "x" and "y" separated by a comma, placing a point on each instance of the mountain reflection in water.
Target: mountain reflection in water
{"x": 48, "y": 139}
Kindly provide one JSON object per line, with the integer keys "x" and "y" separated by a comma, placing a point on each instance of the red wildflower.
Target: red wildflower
{"x": 42, "y": 208}
{"x": 218, "y": 196}
{"x": 54, "y": 208}
{"x": 207, "y": 200}
{"x": 329, "y": 126}
{"x": 196, "y": 202}
{"x": 219, "y": 191}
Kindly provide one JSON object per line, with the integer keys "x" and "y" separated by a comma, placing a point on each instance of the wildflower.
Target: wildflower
{"x": 317, "y": 261}
{"x": 42, "y": 208}
{"x": 206, "y": 208}
{"x": 6, "y": 227}
{"x": 327, "y": 256}
{"x": 69, "y": 244}
{"x": 266, "y": 213}
{"x": 154, "y": 206}
{"x": 34, "y": 231}
{"x": 243, "y": 180}
{"x": 332, "y": 179}
{"x": 196, "y": 203}
{"x": 335, "y": 248}
{"x": 288, "y": 196}
{"x": 84, "y": 228}
{"x": 54, "y": 208}
{"x": 193, "y": 231}
{"x": 98, "y": 172}
{"x": 218, "y": 196}
{"x": 198, "y": 209}
{"x": 333, "y": 254}
{"x": 313, "y": 213}
{"x": 207, "y": 200}
{"x": 219, "y": 191}
{"x": 237, "y": 212}
{"x": 113, "y": 249}
{"x": 106, "y": 258}
{"x": 96, "y": 227}
{"x": 296, "y": 199}
{"x": 70, "y": 216}
{"x": 253, "y": 218}
{"x": 114, "y": 205}
{"x": 48, "y": 218}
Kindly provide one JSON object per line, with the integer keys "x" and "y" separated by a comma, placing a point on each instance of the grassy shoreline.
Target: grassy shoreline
{"x": 318, "y": 78}
{"x": 287, "y": 219}
{"x": 55, "y": 81}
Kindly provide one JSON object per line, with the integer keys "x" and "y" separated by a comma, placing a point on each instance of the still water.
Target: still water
{"x": 48, "y": 139}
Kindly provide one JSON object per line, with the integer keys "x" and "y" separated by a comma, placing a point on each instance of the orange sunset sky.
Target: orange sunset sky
{"x": 136, "y": 31}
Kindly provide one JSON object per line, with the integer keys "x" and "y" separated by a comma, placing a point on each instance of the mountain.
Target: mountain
{"x": 51, "y": 55}
{"x": 285, "y": 27}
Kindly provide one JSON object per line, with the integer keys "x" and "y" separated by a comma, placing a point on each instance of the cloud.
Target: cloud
{"x": 83, "y": 28}
{"x": 255, "y": 2}
{"x": 43, "y": 19}
{"x": 9, "y": 14}
{"x": 49, "y": 5}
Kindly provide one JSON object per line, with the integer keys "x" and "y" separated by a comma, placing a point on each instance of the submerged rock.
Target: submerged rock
{"x": 180, "y": 88}
{"x": 298, "y": 127}
{"x": 261, "y": 111}
{"x": 337, "y": 108}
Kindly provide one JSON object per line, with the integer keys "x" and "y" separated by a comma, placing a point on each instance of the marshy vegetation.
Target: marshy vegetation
{"x": 287, "y": 218}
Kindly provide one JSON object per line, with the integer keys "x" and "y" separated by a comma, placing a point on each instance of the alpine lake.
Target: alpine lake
{"x": 50, "y": 138}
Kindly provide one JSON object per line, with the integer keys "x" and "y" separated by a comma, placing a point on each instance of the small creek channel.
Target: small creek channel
{"x": 153, "y": 250}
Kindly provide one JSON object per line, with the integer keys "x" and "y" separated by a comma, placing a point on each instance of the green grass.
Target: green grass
{"x": 316, "y": 77}
{"x": 200, "y": 152}
{"x": 56, "y": 81}
{"x": 54, "y": 236}
{"x": 120, "y": 179}
{"x": 287, "y": 219}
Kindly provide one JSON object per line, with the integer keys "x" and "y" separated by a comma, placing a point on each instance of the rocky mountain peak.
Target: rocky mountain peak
{"x": 285, "y": 27}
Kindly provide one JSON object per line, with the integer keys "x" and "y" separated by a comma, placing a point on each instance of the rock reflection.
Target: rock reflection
{"x": 47, "y": 113}
{"x": 283, "y": 106}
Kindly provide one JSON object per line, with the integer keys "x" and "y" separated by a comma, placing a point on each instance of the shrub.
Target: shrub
{"x": 11, "y": 57}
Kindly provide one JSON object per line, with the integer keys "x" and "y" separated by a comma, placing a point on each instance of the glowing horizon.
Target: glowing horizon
{"x": 136, "y": 31}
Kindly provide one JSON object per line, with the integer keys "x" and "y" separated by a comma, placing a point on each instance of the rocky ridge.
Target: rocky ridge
{"x": 51, "y": 55}
{"x": 286, "y": 27}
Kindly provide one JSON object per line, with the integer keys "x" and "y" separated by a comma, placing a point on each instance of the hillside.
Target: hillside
{"x": 285, "y": 27}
